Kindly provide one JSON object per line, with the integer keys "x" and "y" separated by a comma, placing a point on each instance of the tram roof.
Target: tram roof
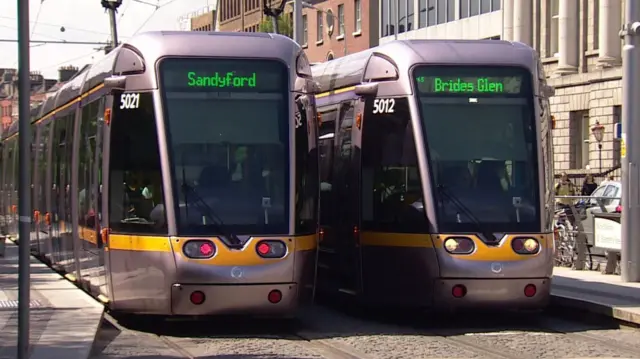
{"x": 146, "y": 48}
{"x": 347, "y": 71}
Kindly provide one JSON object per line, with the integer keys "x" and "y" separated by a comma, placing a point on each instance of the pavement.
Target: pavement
{"x": 597, "y": 293}
{"x": 64, "y": 320}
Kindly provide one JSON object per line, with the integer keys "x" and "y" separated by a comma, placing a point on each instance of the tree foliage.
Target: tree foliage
{"x": 285, "y": 25}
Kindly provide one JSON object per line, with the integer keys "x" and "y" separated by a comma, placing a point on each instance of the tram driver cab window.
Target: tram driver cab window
{"x": 135, "y": 179}
{"x": 391, "y": 187}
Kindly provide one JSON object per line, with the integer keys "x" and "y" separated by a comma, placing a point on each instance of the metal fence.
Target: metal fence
{"x": 578, "y": 176}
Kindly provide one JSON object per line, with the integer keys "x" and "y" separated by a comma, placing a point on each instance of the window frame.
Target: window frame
{"x": 341, "y": 24}
{"x": 357, "y": 16}
{"x": 319, "y": 26}
{"x": 305, "y": 30}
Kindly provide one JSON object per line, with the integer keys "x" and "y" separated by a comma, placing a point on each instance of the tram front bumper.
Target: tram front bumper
{"x": 236, "y": 299}
{"x": 492, "y": 293}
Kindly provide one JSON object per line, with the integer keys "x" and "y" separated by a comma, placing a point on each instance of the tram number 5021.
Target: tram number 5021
{"x": 384, "y": 105}
{"x": 129, "y": 101}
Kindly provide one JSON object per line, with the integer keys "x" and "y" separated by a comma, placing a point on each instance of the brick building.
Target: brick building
{"x": 41, "y": 89}
{"x": 241, "y": 15}
{"x": 204, "y": 22}
{"x": 584, "y": 66}
{"x": 355, "y": 28}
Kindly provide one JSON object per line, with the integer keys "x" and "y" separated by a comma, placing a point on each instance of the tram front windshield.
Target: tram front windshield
{"x": 480, "y": 130}
{"x": 227, "y": 132}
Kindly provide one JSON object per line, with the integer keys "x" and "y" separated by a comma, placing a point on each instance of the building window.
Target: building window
{"x": 305, "y": 30}
{"x": 495, "y": 5}
{"x": 464, "y": 9}
{"x": 485, "y": 6}
{"x": 319, "y": 26}
{"x": 431, "y": 12}
{"x": 554, "y": 31}
{"x": 384, "y": 18}
{"x": 357, "y": 15}
{"x": 579, "y": 139}
{"x": 410, "y": 15}
{"x": 341, "y": 20}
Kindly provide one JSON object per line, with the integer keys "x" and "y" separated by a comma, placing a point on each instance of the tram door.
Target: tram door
{"x": 347, "y": 201}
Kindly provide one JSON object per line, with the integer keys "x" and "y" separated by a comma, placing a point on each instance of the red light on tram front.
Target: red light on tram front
{"x": 264, "y": 248}
{"x": 458, "y": 291}
{"x": 530, "y": 290}
{"x": 206, "y": 249}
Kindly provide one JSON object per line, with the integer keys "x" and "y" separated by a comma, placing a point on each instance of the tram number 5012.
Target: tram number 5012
{"x": 129, "y": 101}
{"x": 384, "y": 105}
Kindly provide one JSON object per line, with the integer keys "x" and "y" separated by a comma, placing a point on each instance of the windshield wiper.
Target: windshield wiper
{"x": 465, "y": 210}
{"x": 205, "y": 209}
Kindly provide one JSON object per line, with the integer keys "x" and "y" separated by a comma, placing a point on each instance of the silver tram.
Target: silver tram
{"x": 178, "y": 176}
{"x": 436, "y": 175}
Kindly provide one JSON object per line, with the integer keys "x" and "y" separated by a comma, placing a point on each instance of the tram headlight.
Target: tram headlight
{"x": 525, "y": 246}
{"x": 199, "y": 249}
{"x": 271, "y": 249}
{"x": 459, "y": 245}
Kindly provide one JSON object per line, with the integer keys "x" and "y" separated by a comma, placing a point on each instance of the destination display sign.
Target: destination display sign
{"x": 466, "y": 81}
{"x": 217, "y": 75}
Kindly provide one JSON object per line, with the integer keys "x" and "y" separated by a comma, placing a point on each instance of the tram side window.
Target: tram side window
{"x": 43, "y": 160}
{"x": 135, "y": 178}
{"x": 86, "y": 162}
{"x": 391, "y": 188}
{"x": 62, "y": 143}
{"x": 326, "y": 148}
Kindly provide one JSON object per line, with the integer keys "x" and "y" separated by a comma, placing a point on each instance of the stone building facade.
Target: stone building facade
{"x": 580, "y": 47}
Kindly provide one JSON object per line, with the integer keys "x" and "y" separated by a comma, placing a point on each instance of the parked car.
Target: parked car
{"x": 612, "y": 189}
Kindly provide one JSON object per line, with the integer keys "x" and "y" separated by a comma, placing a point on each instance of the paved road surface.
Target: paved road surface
{"x": 326, "y": 333}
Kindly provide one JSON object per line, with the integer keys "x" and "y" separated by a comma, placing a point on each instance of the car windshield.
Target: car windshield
{"x": 480, "y": 130}
{"x": 227, "y": 130}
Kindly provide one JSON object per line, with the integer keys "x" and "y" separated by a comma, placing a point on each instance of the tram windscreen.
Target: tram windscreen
{"x": 227, "y": 128}
{"x": 480, "y": 130}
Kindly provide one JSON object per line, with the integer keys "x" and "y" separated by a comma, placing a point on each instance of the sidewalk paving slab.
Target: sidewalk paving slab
{"x": 64, "y": 319}
{"x": 596, "y": 293}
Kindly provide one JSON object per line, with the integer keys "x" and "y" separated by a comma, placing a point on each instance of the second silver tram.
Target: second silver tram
{"x": 436, "y": 175}
{"x": 178, "y": 176}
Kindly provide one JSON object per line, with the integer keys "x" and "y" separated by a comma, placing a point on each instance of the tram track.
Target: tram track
{"x": 548, "y": 324}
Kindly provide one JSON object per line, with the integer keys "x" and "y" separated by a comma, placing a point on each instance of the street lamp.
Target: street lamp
{"x": 329, "y": 14}
{"x": 598, "y": 133}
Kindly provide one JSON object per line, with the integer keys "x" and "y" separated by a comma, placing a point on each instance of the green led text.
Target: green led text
{"x": 220, "y": 81}
{"x": 479, "y": 85}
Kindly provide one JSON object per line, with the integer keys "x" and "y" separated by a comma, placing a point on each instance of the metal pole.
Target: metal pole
{"x": 297, "y": 22}
{"x": 274, "y": 20}
{"x": 600, "y": 157}
{"x": 24, "y": 179}
{"x": 630, "y": 152}
{"x": 114, "y": 28}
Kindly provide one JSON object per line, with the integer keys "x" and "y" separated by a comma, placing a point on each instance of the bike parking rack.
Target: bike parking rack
{"x": 580, "y": 236}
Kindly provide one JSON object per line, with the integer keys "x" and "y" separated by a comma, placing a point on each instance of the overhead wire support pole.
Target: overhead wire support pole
{"x": 112, "y": 6}
{"x": 297, "y": 22}
{"x": 24, "y": 179}
{"x": 630, "y": 152}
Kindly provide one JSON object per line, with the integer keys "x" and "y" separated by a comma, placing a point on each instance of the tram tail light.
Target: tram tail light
{"x": 458, "y": 291}
{"x": 530, "y": 290}
{"x": 271, "y": 249}
{"x": 459, "y": 245}
{"x": 275, "y": 296}
{"x": 197, "y": 297}
{"x": 525, "y": 246}
{"x": 197, "y": 249}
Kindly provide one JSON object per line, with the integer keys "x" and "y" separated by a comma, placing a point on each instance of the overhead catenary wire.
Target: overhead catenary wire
{"x": 58, "y": 26}
{"x": 35, "y": 21}
{"x": 69, "y": 60}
